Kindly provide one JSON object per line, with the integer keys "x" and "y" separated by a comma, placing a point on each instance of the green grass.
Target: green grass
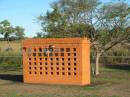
{"x": 12, "y": 58}
{"x": 110, "y": 83}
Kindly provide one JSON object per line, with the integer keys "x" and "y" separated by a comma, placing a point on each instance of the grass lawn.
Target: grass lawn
{"x": 110, "y": 83}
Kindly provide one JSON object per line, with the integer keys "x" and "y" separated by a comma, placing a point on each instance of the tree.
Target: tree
{"x": 106, "y": 25}
{"x": 113, "y": 28}
{"x": 53, "y": 23}
{"x": 19, "y": 32}
{"x": 67, "y": 14}
{"x": 6, "y": 30}
{"x": 39, "y": 34}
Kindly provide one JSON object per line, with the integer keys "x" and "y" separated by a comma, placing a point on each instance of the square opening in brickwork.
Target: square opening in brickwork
{"x": 40, "y": 63}
{"x": 62, "y": 54}
{"x": 40, "y": 73}
{"x": 35, "y": 68}
{"x": 67, "y": 49}
{"x": 56, "y": 50}
{"x": 35, "y": 72}
{"x": 30, "y": 72}
{"x": 30, "y": 68}
{"x": 74, "y": 54}
{"x": 75, "y": 73}
{"x": 68, "y": 64}
{"x": 51, "y": 68}
{"x": 45, "y": 50}
{"x": 57, "y": 73}
{"x": 57, "y": 68}
{"x": 74, "y": 49}
{"x": 45, "y": 59}
{"x": 46, "y": 63}
{"x": 57, "y": 59}
{"x": 40, "y": 49}
{"x": 35, "y": 59}
{"x": 30, "y": 63}
{"x": 51, "y": 59}
{"x": 35, "y": 63}
{"x": 51, "y": 73}
{"x": 51, "y": 63}
{"x": 63, "y": 73}
{"x": 44, "y": 54}
{"x": 75, "y": 59}
{"x": 35, "y": 50}
{"x": 62, "y": 59}
{"x": 68, "y": 54}
{"x": 56, "y": 54}
{"x": 46, "y": 68}
{"x": 39, "y": 54}
{"x": 63, "y": 64}
{"x": 34, "y": 54}
{"x": 63, "y": 68}
{"x": 40, "y": 59}
{"x": 51, "y": 50}
{"x": 57, "y": 63}
{"x": 29, "y": 59}
{"x": 40, "y": 68}
{"x": 46, "y": 73}
{"x": 69, "y": 73}
{"x": 50, "y": 54}
{"x": 61, "y": 49}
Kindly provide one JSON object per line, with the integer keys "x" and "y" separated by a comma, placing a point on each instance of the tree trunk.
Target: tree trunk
{"x": 97, "y": 63}
{"x": 9, "y": 44}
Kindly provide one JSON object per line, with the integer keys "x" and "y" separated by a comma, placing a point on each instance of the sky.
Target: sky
{"x": 24, "y": 13}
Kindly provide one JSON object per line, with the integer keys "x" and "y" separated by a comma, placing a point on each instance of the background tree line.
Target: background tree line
{"x": 8, "y": 32}
{"x": 106, "y": 25}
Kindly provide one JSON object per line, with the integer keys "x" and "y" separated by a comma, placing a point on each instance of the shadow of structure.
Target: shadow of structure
{"x": 119, "y": 66}
{"x": 16, "y": 78}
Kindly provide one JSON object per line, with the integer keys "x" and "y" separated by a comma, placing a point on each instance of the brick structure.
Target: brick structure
{"x": 56, "y": 61}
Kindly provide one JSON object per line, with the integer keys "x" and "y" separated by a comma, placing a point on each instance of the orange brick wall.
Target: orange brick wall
{"x": 56, "y": 61}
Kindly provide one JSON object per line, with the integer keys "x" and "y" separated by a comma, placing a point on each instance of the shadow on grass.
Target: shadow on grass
{"x": 118, "y": 66}
{"x": 16, "y": 78}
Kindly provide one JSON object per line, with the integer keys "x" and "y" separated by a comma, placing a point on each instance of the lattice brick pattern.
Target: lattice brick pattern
{"x": 56, "y": 61}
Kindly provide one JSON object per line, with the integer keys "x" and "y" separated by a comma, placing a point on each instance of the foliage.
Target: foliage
{"x": 6, "y": 28}
{"x": 8, "y": 31}
{"x": 107, "y": 25}
{"x": 19, "y": 32}
{"x": 66, "y": 17}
